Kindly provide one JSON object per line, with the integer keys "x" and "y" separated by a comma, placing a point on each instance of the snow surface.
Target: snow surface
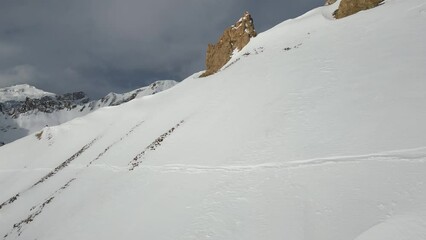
{"x": 316, "y": 132}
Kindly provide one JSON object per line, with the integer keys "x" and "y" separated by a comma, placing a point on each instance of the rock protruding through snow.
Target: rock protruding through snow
{"x": 329, "y": 2}
{"x": 233, "y": 39}
{"x": 349, "y": 7}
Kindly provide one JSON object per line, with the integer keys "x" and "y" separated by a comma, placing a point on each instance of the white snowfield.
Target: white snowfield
{"x": 315, "y": 130}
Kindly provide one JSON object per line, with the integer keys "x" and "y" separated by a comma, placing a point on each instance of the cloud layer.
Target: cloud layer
{"x": 100, "y": 46}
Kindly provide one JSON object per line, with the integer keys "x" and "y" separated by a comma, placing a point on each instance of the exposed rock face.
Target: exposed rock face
{"x": 46, "y": 104}
{"x": 234, "y": 38}
{"x": 349, "y": 7}
{"x": 329, "y": 2}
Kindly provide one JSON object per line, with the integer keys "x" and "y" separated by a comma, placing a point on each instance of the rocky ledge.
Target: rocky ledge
{"x": 233, "y": 39}
{"x": 349, "y": 7}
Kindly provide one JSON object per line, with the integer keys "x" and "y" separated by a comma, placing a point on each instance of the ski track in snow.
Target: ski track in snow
{"x": 17, "y": 228}
{"x": 273, "y": 166}
{"x": 151, "y": 147}
{"x": 66, "y": 163}
{"x": 417, "y": 155}
{"x": 114, "y": 143}
{"x": 400, "y": 156}
{"x": 51, "y": 173}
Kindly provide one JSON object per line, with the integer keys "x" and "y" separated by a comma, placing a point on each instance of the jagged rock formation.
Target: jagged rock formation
{"x": 46, "y": 104}
{"x": 233, "y": 39}
{"x": 329, "y": 2}
{"x": 49, "y": 103}
{"x": 349, "y": 7}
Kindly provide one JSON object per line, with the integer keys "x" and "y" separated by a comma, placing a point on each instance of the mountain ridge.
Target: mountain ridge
{"x": 25, "y": 109}
{"x": 20, "y": 92}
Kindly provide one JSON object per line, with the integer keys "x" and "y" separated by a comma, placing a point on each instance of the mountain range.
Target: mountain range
{"x": 25, "y": 109}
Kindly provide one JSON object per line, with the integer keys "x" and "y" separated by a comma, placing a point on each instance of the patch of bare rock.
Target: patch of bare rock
{"x": 349, "y": 7}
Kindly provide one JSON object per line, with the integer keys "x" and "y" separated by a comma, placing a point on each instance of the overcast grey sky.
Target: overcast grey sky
{"x": 100, "y": 46}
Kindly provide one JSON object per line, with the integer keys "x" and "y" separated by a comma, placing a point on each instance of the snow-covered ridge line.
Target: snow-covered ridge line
{"x": 27, "y": 109}
{"x": 21, "y": 92}
{"x": 22, "y": 99}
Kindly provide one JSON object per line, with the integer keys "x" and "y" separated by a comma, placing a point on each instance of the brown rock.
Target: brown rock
{"x": 329, "y": 2}
{"x": 234, "y": 38}
{"x": 349, "y": 7}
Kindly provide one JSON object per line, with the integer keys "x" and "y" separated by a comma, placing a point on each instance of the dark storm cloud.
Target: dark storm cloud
{"x": 118, "y": 45}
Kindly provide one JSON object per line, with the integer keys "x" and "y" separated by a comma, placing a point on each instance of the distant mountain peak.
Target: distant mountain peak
{"x": 21, "y": 92}
{"x": 233, "y": 39}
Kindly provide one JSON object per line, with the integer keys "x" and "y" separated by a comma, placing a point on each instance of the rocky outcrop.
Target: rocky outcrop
{"x": 349, "y": 7}
{"x": 329, "y": 2}
{"x": 233, "y": 39}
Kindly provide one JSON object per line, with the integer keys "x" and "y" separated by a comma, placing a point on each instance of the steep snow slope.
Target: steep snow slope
{"x": 314, "y": 131}
{"x": 15, "y": 124}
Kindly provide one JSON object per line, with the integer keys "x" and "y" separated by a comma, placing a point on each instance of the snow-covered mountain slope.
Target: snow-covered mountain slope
{"x": 316, "y": 132}
{"x": 25, "y": 109}
{"x": 21, "y": 92}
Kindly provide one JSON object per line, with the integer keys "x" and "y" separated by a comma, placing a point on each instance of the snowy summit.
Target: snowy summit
{"x": 21, "y": 92}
